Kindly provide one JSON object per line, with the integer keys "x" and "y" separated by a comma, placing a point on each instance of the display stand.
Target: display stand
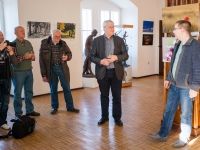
{"x": 90, "y": 82}
{"x": 125, "y": 31}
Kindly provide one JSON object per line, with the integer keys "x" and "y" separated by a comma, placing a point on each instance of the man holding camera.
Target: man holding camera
{"x": 7, "y": 57}
{"x": 23, "y": 76}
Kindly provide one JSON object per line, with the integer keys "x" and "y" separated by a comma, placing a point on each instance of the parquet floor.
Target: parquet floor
{"x": 142, "y": 112}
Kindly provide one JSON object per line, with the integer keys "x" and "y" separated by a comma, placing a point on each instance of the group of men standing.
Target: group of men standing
{"x": 107, "y": 53}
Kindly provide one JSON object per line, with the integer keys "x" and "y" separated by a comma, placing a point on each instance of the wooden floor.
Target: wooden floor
{"x": 142, "y": 112}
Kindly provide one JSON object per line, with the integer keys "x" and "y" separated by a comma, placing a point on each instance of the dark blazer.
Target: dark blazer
{"x": 97, "y": 53}
{"x": 45, "y": 58}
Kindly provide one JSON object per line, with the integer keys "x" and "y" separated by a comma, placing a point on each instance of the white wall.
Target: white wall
{"x": 145, "y": 59}
{"x": 51, "y": 11}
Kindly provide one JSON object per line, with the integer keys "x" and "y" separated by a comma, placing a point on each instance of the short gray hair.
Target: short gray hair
{"x": 16, "y": 28}
{"x": 107, "y": 21}
{"x": 55, "y": 30}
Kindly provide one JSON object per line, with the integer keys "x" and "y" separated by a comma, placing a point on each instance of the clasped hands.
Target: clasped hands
{"x": 29, "y": 56}
{"x": 192, "y": 93}
{"x": 107, "y": 61}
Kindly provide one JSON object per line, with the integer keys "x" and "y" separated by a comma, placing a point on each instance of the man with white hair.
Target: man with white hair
{"x": 53, "y": 56}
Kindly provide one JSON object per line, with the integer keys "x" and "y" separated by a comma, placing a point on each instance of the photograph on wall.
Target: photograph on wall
{"x": 38, "y": 29}
{"x": 147, "y": 39}
{"x": 167, "y": 48}
{"x": 148, "y": 26}
{"x": 184, "y": 12}
{"x": 67, "y": 29}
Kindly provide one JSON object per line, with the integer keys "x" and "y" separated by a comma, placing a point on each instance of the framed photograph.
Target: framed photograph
{"x": 38, "y": 29}
{"x": 182, "y": 12}
{"x": 148, "y": 26}
{"x": 167, "y": 48}
{"x": 67, "y": 29}
{"x": 147, "y": 39}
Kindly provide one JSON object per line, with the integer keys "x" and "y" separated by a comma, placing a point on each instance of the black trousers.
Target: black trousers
{"x": 110, "y": 81}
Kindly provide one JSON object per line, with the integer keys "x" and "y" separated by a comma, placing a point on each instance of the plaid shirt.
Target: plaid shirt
{"x": 55, "y": 53}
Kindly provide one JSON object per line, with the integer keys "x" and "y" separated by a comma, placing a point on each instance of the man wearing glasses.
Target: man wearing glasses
{"x": 108, "y": 51}
{"x": 183, "y": 82}
{"x": 53, "y": 56}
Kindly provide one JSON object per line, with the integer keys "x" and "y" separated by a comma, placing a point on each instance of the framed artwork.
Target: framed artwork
{"x": 148, "y": 26}
{"x": 67, "y": 29}
{"x": 167, "y": 48}
{"x": 170, "y": 15}
{"x": 38, "y": 29}
{"x": 147, "y": 39}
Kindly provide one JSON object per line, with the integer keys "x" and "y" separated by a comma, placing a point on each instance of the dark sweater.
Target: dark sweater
{"x": 187, "y": 73}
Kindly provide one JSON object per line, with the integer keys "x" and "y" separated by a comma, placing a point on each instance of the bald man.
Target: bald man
{"x": 23, "y": 76}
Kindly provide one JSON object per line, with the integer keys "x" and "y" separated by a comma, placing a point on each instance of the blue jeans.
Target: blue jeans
{"x": 23, "y": 79}
{"x": 4, "y": 100}
{"x": 178, "y": 95}
{"x": 58, "y": 73}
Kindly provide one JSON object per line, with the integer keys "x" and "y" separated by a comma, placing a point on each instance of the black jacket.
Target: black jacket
{"x": 97, "y": 53}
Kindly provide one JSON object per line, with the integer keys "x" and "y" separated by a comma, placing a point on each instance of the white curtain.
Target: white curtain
{"x": 1, "y": 17}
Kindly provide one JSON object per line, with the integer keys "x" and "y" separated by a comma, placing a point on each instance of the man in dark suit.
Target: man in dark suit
{"x": 108, "y": 52}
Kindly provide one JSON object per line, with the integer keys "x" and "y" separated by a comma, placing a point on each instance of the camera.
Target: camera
{"x": 13, "y": 44}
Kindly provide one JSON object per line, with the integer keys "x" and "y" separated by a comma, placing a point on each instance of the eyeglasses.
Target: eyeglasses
{"x": 176, "y": 28}
{"x": 110, "y": 27}
{"x": 57, "y": 37}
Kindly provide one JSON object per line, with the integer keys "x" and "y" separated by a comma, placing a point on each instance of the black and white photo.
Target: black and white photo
{"x": 38, "y": 29}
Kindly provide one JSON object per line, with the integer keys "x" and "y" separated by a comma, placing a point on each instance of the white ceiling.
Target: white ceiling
{"x": 122, "y": 3}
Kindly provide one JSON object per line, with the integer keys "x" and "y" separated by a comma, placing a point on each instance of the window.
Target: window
{"x": 86, "y": 25}
{"x": 115, "y": 17}
{"x": 106, "y": 15}
{"x": 1, "y": 17}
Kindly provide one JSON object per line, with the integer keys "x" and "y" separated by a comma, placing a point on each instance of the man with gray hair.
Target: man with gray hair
{"x": 53, "y": 56}
{"x": 23, "y": 75}
{"x": 108, "y": 51}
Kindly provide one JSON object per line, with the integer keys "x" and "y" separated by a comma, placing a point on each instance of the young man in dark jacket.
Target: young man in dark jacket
{"x": 183, "y": 82}
{"x": 53, "y": 56}
{"x": 5, "y": 79}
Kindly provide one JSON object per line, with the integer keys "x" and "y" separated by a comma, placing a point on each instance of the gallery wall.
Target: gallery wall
{"x": 18, "y": 12}
{"x": 144, "y": 58}
{"x": 148, "y": 56}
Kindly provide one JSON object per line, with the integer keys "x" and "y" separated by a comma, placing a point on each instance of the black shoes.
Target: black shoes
{"x": 53, "y": 111}
{"x": 102, "y": 121}
{"x": 73, "y": 110}
{"x": 33, "y": 113}
{"x": 119, "y": 123}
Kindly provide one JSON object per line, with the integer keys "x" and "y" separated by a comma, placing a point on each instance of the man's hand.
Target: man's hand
{"x": 32, "y": 57}
{"x": 44, "y": 79}
{"x": 64, "y": 57}
{"x": 27, "y": 55}
{"x": 10, "y": 50}
{"x": 166, "y": 84}
{"x": 192, "y": 93}
{"x": 105, "y": 62}
{"x": 112, "y": 58}
{"x": 3, "y": 45}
